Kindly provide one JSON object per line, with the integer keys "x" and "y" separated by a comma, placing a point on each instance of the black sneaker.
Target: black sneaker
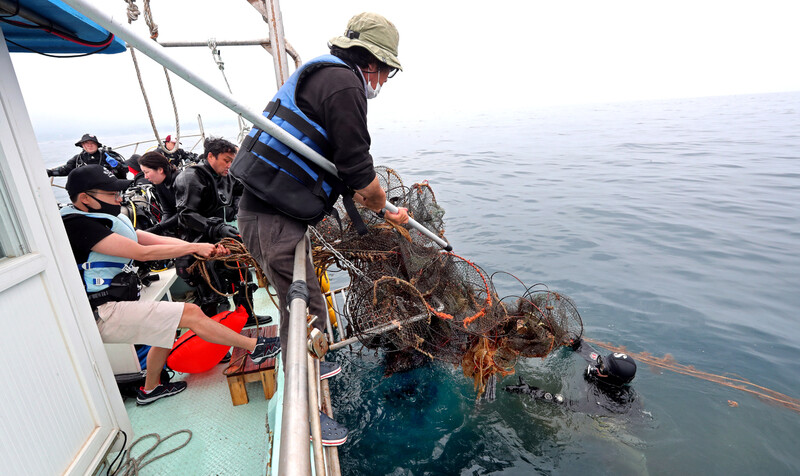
{"x": 161, "y": 391}
{"x": 266, "y": 348}
{"x": 260, "y": 320}
{"x": 328, "y": 369}
{"x": 227, "y": 358}
{"x": 333, "y": 433}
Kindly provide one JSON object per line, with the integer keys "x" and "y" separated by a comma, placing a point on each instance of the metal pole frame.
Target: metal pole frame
{"x": 143, "y": 43}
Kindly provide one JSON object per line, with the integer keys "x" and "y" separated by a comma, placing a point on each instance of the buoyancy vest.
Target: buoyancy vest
{"x": 273, "y": 172}
{"x": 100, "y": 269}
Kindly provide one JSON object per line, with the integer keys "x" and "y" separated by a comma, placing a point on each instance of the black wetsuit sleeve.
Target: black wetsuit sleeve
{"x": 586, "y": 351}
{"x": 65, "y": 169}
{"x": 84, "y": 233}
{"x": 188, "y": 201}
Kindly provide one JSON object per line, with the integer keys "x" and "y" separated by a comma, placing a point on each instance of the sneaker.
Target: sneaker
{"x": 260, "y": 320}
{"x": 161, "y": 391}
{"x": 266, "y": 348}
{"x": 227, "y": 358}
{"x": 328, "y": 369}
{"x": 333, "y": 434}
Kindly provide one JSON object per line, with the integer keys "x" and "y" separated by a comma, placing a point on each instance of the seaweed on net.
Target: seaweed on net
{"x": 407, "y": 295}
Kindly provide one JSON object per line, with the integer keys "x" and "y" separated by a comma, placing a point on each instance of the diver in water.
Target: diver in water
{"x": 608, "y": 389}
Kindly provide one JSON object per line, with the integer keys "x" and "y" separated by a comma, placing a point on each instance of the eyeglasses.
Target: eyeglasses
{"x": 117, "y": 195}
{"x": 392, "y": 73}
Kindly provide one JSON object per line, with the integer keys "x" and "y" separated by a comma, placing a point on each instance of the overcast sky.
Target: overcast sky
{"x": 459, "y": 57}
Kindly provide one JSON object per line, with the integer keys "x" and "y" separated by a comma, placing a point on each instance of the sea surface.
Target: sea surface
{"x": 673, "y": 225}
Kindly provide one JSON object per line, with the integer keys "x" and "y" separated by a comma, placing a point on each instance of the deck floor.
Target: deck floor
{"x": 226, "y": 440}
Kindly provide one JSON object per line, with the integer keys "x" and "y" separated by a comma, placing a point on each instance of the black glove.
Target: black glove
{"x": 49, "y": 173}
{"x": 223, "y": 230}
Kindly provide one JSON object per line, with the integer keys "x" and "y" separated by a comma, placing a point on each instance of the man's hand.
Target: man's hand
{"x": 221, "y": 251}
{"x": 206, "y": 250}
{"x": 399, "y": 218}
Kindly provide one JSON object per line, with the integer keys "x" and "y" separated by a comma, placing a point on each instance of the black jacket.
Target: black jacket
{"x": 201, "y": 195}
{"x": 103, "y": 156}
{"x": 165, "y": 193}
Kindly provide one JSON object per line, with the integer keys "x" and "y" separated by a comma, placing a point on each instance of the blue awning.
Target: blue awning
{"x": 52, "y": 26}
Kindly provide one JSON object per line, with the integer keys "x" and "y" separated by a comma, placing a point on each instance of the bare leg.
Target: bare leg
{"x": 212, "y": 331}
{"x": 156, "y": 358}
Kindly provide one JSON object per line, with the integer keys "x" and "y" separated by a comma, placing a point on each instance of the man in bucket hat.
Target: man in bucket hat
{"x": 326, "y": 101}
{"x": 93, "y": 153}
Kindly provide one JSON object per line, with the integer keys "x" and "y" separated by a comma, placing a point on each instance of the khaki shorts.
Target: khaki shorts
{"x": 136, "y": 322}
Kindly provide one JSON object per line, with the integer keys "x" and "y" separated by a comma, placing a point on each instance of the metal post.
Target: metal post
{"x": 295, "y": 430}
{"x": 156, "y": 52}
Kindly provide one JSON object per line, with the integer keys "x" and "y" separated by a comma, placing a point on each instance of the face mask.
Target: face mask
{"x": 370, "y": 91}
{"x": 107, "y": 208}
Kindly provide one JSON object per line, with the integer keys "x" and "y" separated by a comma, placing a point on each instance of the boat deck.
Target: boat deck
{"x": 225, "y": 439}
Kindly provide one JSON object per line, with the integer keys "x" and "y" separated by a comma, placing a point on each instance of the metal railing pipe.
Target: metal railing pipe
{"x": 294, "y": 424}
{"x": 143, "y": 43}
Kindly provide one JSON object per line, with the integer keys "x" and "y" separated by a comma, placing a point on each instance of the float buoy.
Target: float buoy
{"x": 193, "y": 355}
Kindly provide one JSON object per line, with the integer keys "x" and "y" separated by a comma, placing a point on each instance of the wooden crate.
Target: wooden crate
{"x": 242, "y": 370}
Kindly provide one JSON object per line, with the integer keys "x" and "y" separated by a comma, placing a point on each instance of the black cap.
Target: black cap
{"x": 621, "y": 368}
{"x": 93, "y": 177}
{"x": 87, "y": 137}
{"x": 133, "y": 162}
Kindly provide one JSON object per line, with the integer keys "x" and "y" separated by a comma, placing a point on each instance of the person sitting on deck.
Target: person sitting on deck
{"x": 105, "y": 244}
{"x": 136, "y": 170}
{"x": 93, "y": 153}
{"x": 161, "y": 173}
{"x": 176, "y": 156}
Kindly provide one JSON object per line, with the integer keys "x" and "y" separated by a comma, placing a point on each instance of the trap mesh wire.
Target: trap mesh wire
{"x": 407, "y": 295}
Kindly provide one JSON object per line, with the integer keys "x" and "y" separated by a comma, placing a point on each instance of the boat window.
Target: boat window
{"x": 11, "y": 243}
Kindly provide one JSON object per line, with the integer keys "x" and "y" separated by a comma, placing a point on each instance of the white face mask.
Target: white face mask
{"x": 373, "y": 92}
{"x": 368, "y": 89}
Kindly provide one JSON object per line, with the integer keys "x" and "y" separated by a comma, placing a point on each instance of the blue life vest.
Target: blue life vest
{"x": 100, "y": 269}
{"x": 280, "y": 177}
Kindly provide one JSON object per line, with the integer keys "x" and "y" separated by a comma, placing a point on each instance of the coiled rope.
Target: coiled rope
{"x": 131, "y": 466}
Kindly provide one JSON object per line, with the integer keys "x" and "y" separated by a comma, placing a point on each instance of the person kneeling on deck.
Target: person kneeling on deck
{"x": 105, "y": 244}
{"x": 207, "y": 200}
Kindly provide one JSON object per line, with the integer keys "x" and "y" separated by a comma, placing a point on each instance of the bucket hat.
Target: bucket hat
{"x": 88, "y": 137}
{"x": 374, "y": 33}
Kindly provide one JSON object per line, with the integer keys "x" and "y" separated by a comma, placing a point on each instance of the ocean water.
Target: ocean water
{"x": 675, "y": 228}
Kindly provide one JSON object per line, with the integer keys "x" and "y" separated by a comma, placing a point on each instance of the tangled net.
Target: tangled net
{"x": 436, "y": 303}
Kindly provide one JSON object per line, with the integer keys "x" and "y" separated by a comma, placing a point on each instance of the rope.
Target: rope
{"x": 217, "y": 56}
{"x": 133, "y": 14}
{"x": 132, "y": 466}
{"x": 238, "y": 259}
{"x": 668, "y": 363}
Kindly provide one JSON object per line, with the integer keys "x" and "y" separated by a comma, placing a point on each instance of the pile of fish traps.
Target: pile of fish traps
{"x": 435, "y": 304}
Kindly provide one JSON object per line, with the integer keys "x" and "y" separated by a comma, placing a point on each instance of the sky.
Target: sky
{"x": 460, "y": 58}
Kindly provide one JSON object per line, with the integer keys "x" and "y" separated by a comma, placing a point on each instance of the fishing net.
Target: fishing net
{"x": 407, "y": 295}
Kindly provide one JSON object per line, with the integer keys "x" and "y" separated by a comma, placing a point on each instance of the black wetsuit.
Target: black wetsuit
{"x": 600, "y": 398}
{"x": 165, "y": 193}
{"x": 205, "y": 200}
{"x": 114, "y": 162}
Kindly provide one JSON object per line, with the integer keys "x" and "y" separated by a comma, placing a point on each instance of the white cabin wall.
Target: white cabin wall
{"x": 63, "y": 410}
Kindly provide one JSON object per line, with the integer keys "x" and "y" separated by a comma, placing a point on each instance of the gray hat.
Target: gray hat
{"x": 88, "y": 137}
{"x": 374, "y": 33}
